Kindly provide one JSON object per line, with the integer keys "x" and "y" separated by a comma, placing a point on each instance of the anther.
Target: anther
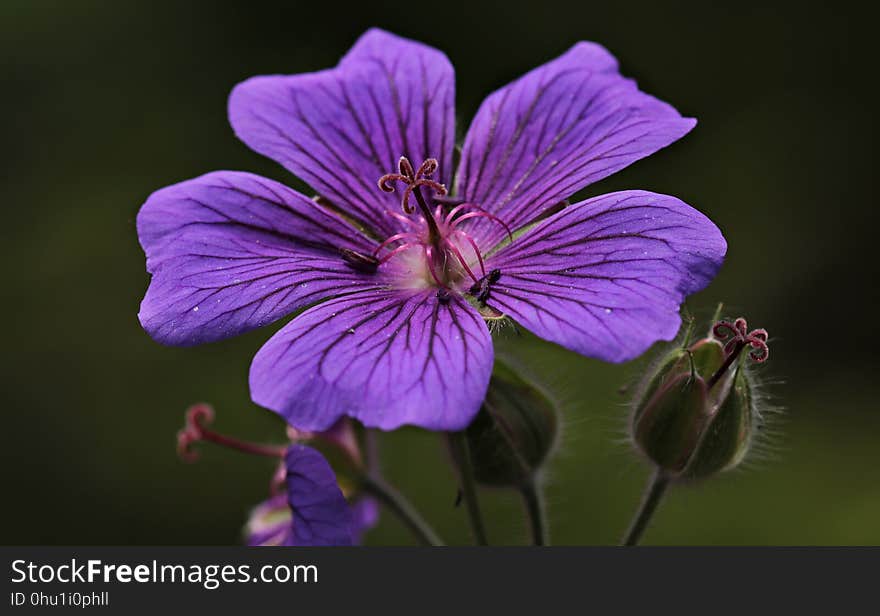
{"x": 483, "y": 287}
{"x": 359, "y": 261}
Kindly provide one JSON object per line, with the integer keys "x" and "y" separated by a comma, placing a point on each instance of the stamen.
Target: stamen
{"x": 451, "y": 215}
{"x": 429, "y": 257}
{"x": 195, "y": 430}
{"x": 404, "y": 219}
{"x": 483, "y": 287}
{"x": 475, "y": 247}
{"x": 396, "y": 251}
{"x": 359, "y": 261}
{"x": 393, "y": 239}
{"x": 462, "y": 260}
{"x": 480, "y": 213}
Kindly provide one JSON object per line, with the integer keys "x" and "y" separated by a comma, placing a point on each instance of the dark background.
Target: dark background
{"x": 104, "y": 102}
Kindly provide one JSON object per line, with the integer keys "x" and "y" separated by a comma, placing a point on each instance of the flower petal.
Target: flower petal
{"x": 605, "y": 277}
{"x": 321, "y": 515}
{"x": 340, "y": 130}
{"x": 558, "y": 128}
{"x": 232, "y": 251}
{"x": 365, "y": 515}
{"x": 269, "y": 523}
{"x": 385, "y": 358}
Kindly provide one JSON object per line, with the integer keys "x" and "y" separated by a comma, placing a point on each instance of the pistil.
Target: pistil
{"x": 414, "y": 180}
{"x": 737, "y": 338}
{"x": 196, "y": 430}
{"x": 440, "y": 239}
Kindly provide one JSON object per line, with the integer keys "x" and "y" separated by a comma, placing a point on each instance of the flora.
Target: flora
{"x": 307, "y": 504}
{"x": 407, "y": 256}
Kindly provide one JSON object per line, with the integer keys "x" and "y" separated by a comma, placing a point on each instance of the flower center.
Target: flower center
{"x": 433, "y": 246}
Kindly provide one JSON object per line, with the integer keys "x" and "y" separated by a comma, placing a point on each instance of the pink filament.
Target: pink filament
{"x": 463, "y": 262}
{"x": 394, "y": 238}
{"x": 397, "y": 250}
{"x": 473, "y": 244}
{"x": 429, "y": 256}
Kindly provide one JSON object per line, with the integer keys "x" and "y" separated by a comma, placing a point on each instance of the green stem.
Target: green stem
{"x": 653, "y": 495}
{"x": 461, "y": 454}
{"x": 535, "y": 507}
{"x": 402, "y": 508}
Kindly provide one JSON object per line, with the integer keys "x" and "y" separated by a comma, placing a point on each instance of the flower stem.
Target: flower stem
{"x": 461, "y": 455}
{"x": 400, "y": 507}
{"x": 533, "y": 500}
{"x": 653, "y": 495}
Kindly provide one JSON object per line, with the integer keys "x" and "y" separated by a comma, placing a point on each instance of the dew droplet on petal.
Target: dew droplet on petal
{"x": 196, "y": 309}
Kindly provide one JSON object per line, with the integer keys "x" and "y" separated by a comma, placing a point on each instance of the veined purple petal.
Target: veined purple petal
{"x": 605, "y": 277}
{"x": 386, "y": 358}
{"x": 555, "y": 130}
{"x": 340, "y": 130}
{"x": 321, "y": 515}
{"x": 271, "y": 522}
{"x": 232, "y": 251}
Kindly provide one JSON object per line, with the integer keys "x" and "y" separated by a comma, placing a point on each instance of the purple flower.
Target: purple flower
{"x": 396, "y": 298}
{"x": 314, "y": 511}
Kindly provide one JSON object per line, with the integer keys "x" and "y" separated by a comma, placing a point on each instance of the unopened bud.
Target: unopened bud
{"x": 669, "y": 429}
{"x": 726, "y": 439}
{"x": 696, "y": 414}
{"x": 513, "y": 433}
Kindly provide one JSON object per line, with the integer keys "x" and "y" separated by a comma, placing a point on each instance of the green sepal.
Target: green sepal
{"x": 671, "y": 424}
{"x": 514, "y": 431}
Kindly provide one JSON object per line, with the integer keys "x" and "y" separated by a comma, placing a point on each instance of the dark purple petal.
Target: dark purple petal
{"x": 385, "y": 358}
{"x": 605, "y": 277}
{"x": 321, "y": 515}
{"x": 271, "y": 522}
{"x": 340, "y": 130}
{"x": 558, "y": 128}
{"x": 232, "y": 251}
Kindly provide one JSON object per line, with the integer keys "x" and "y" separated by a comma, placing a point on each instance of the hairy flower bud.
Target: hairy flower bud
{"x": 514, "y": 431}
{"x": 669, "y": 429}
{"x": 696, "y": 414}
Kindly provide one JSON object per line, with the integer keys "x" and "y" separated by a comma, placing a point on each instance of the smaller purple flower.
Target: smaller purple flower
{"x": 271, "y": 522}
{"x": 312, "y": 509}
{"x": 395, "y": 303}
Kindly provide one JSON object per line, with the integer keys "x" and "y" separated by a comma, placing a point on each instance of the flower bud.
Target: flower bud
{"x": 726, "y": 439}
{"x": 669, "y": 429}
{"x": 696, "y": 414}
{"x": 513, "y": 433}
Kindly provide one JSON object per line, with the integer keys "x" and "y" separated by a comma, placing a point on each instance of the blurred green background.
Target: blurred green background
{"x": 104, "y": 102}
